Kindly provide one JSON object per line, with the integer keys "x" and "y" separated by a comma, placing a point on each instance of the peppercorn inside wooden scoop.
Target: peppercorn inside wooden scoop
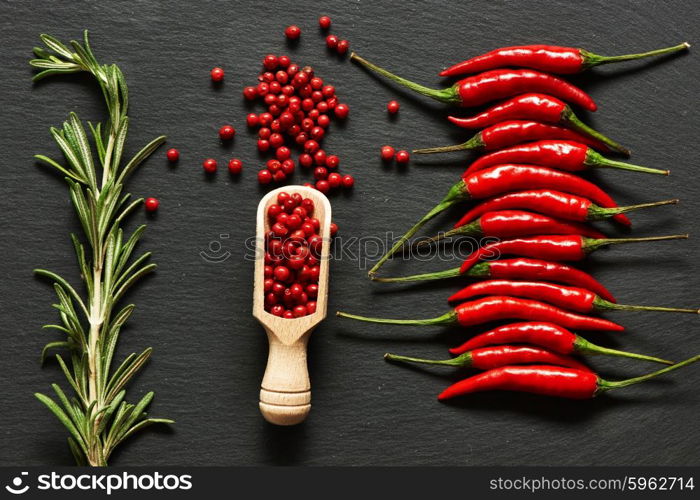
{"x": 285, "y": 393}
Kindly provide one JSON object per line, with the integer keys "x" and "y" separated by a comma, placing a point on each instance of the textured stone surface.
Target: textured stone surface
{"x": 209, "y": 352}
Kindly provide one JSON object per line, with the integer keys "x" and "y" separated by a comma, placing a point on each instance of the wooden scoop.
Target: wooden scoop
{"x": 285, "y": 392}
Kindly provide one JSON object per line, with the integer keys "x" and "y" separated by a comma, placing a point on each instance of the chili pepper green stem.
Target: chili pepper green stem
{"x": 449, "y": 273}
{"x": 475, "y": 142}
{"x": 599, "y": 213}
{"x": 455, "y": 194}
{"x": 445, "y": 319}
{"x": 590, "y": 59}
{"x": 591, "y": 244}
{"x": 480, "y": 270}
{"x": 461, "y": 360}
{"x": 593, "y": 159}
{"x": 574, "y": 122}
{"x": 606, "y": 385}
{"x": 583, "y": 346}
{"x": 448, "y": 95}
{"x": 471, "y": 229}
{"x": 599, "y": 303}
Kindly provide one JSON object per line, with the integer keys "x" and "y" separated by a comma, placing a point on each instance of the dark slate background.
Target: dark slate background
{"x": 209, "y": 352}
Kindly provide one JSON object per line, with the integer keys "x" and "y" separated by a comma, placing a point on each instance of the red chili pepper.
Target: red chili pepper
{"x": 567, "y": 297}
{"x": 549, "y": 58}
{"x": 549, "y": 202}
{"x": 509, "y": 133}
{"x": 492, "y": 86}
{"x": 503, "y": 179}
{"x": 516, "y": 223}
{"x": 497, "y": 223}
{"x": 548, "y": 335}
{"x": 520, "y": 268}
{"x": 498, "y": 308}
{"x": 537, "y": 107}
{"x": 488, "y": 358}
{"x": 569, "y": 156}
{"x": 566, "y": 247}
{"x": 548, "y": 380}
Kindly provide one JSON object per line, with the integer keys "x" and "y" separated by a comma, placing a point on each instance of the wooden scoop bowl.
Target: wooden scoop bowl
{"x": 285, "y": 392}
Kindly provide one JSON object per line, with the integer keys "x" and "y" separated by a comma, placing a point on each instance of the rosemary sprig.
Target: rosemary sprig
{"x": 97, "y": 417}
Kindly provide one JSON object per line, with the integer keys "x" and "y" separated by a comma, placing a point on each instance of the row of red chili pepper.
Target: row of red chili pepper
{"x": 536, "y": 208}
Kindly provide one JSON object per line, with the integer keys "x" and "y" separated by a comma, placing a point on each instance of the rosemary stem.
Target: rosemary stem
{"x": 96, "y": 321}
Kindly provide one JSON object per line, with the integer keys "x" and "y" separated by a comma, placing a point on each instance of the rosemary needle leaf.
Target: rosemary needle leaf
{"x": 139, "y": 157}
{"x": 60, "y": 414}
{"x": 78, "y": 454}
{"x": 53, "y": 345}
{"x": 58, "y": 47}
{"x": 142, "y": 425}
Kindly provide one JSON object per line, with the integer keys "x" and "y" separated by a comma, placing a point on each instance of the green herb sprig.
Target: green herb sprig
{"x": 96, "y": 416}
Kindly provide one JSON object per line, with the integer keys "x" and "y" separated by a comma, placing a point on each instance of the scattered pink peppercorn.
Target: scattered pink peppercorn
{"x": 332, "y": 161}
{"x": 292, "y": 32}
{"x": 335, "y": 179}
{"x": 331, "y": 41}
{"x": 209, "y": 165}
{"x": 393, "y": 107}
{"x": 306, "y": 160}
{"x": 320, "y": 173}
{"x": 263, "y": 145}
{"x": 341, "y": 111}
{"x": 324, "y": 22}
{"x": 250, "y": 93}
{"x": 348, "y": 181}
{"x": 151, "y": 204}
{"x": 342, "y": 47}
{"x": 387, "y": 153}
{"x": 320, "y": 157}
{"x": 311, "y": 146}
{"x": 264, "y": 176}
{"x": 173, "y": 155}
{"x": 288, "y": 166}
{"x": 276, "y": 140}
{"x": 270, "y": 62}
{"x": 402, "y": 156}
{"x": 235, "y": 166}
{"x": 323, "y": 186}
{"x": 282, "y": 153}
{"x": 217, "y": 74}
{"x": 227, "y": 132}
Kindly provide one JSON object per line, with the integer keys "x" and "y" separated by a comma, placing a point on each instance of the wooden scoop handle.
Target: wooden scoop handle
{"x": 285, "y": 392}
